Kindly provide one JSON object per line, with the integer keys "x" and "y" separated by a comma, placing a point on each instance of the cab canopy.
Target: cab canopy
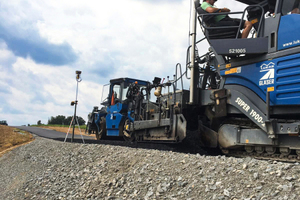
{"x": 253, "y": 2}
{"x": 275, "y": 28}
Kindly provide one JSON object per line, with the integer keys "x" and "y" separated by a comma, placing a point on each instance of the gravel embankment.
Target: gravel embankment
{"x": 47, "y": 169}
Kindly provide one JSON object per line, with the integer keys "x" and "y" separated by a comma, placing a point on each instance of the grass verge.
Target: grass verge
{"x": 12, "y": 137}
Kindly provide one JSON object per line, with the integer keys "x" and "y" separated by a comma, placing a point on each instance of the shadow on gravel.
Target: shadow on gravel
{"x": 189, "y": 145}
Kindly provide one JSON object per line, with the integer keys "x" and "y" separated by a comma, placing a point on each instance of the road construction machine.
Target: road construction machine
{"x": 244, "y": 94}
{"x": 128, "y": 112}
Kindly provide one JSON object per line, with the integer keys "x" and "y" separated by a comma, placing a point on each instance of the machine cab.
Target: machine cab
{"x": 117, "y": 104}
{"x": 275, "y": 28}
{"x": 119, "y": 87}
{"x": 288, "y": 30}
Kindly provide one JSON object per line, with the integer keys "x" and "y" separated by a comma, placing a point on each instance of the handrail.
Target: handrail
{"x": 222, "y": 13}
{"x": 178, "y": 65}
{"x": 188, "y": 58}
{"x": 176, "y": 78}
{"x": 260, "y": 21}
{"x": 219, "y": 27}
{"x": 200, "y": 18}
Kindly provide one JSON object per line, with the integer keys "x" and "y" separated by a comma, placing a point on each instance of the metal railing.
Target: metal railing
{"x": 200, "y": 18}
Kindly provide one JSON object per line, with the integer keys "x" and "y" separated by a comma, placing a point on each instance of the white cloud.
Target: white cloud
{"x": 128, "y": 38}
{"x": 141, "y": 35}
{"x": 6, "y": 56}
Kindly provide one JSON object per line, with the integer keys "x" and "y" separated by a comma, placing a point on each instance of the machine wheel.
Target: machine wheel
{"x": 129, "y": 139}
{"x": 88, "y": 129}
{"x": 128, "y": 136}
{"x": 101, "y": 134}
{"x": 98, "y": 136}
{"x": 271, "y": 150}
{"x": 225, "y": 151}
{"x": 285, "y": 151}
{"x": 298, "y": 152}
{"x": 259, "y": 149}
{"x": 249, "y": 149}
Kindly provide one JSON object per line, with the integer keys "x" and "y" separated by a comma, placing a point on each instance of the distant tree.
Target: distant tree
{"x": 60, "y": 119}
{"x": 81, "y": 121}
{"x": 51, "y": 120}
{"x": 68, "y": 120}
{"x": 39, "y": 122}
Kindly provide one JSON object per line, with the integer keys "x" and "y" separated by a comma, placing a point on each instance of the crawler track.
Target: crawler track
{"x": 264, "y": 156}
{"x": 192, "y": 145}
{"x": 275, "y": 153}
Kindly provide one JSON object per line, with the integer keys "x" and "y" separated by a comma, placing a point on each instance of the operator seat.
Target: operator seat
{"x": 223, "y": 38}
{"x": 207, "y": 21}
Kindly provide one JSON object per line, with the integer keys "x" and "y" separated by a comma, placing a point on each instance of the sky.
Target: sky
{"x": 43, "y": 43}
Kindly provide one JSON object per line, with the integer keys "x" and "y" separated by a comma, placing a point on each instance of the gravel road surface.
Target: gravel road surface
{"x": 50, "y": 169}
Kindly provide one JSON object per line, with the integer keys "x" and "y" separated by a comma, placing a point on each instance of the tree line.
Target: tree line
{"x": 63, "y": 120}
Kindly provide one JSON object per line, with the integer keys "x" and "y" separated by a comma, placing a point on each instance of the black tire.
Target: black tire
{"x": 101, "y": 134}
{"x": 132, "y": 136}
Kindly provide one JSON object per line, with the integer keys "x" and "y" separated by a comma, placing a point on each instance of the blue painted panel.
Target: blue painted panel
{"x": 128, "y": 81}
{"x": 116, "y": 108}
{"x": 112, "y": 132}
{"x": 288, "y": 33}
{"x": 281, "y": 73}
{"x": 98, "y": 117}
{"x": 288, "y": 80}
{"x": 248, "y": 76}
{"x": 139, "y": 82}
{"x": 112, "y": 123}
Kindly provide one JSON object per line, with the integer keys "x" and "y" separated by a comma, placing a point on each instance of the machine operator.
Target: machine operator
{"x": 225, "y": 20}
{"x": 296, "y": 9}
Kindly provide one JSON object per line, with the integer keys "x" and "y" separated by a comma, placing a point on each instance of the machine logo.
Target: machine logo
{"x": 268, "y": 78}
